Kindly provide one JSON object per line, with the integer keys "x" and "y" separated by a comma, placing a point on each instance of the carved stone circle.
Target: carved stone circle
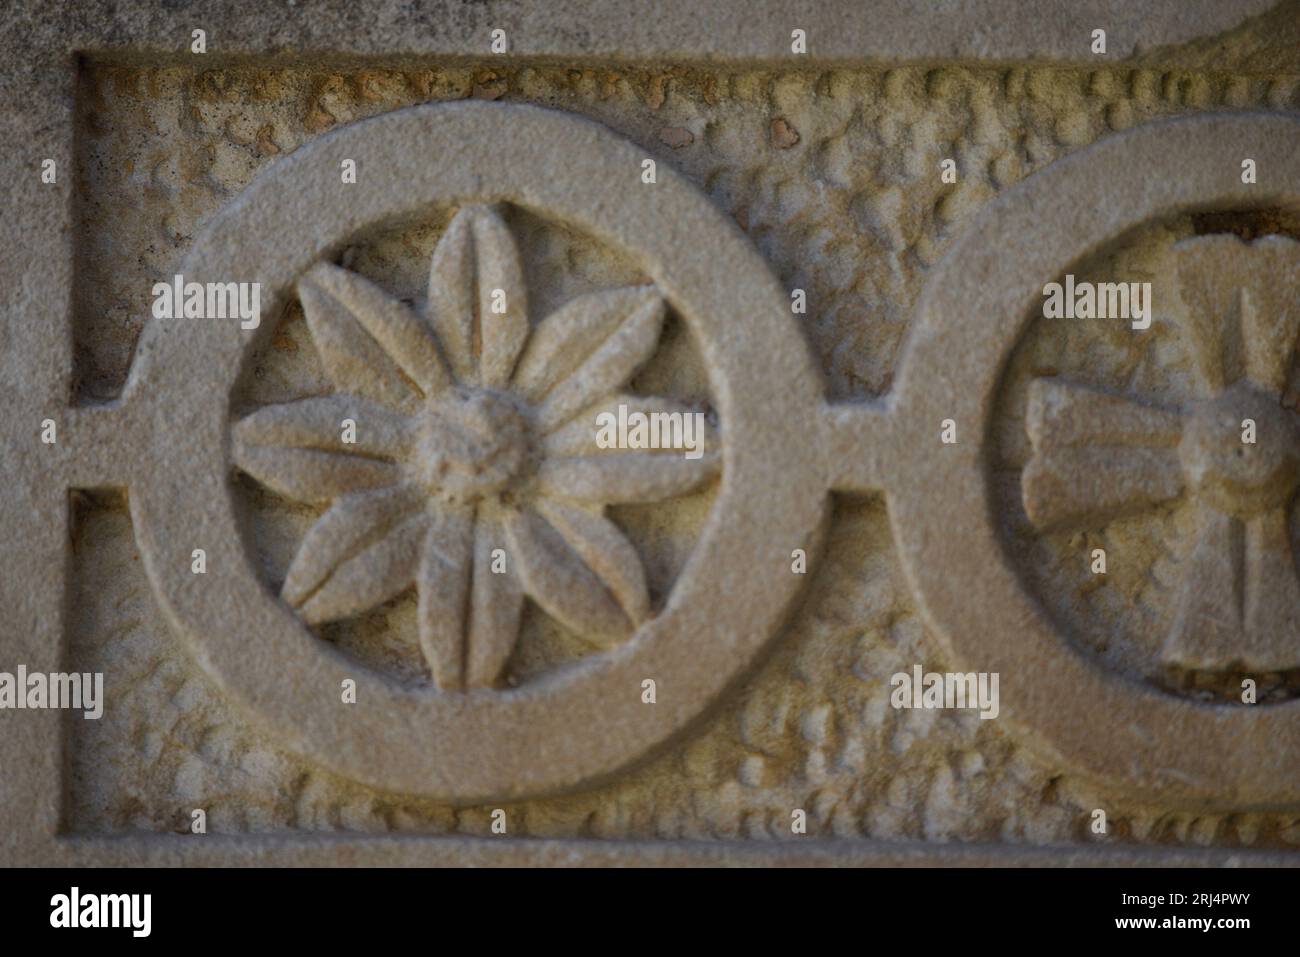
{"x": 439, "y": 423}
{"x": 975, "y": 308}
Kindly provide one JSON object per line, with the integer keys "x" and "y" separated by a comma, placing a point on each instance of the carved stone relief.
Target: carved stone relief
{"x": 363, "y": 566}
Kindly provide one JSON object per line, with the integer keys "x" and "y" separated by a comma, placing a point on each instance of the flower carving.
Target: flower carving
{"x": 472, "y": 470}
{"x": 1098, "y": 456}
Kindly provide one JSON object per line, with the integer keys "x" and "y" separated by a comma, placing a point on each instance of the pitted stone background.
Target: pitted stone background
{"x": 834, "y": 176}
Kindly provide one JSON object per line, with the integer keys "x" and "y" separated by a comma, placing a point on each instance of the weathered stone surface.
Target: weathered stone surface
{"x": 372, "y": 561}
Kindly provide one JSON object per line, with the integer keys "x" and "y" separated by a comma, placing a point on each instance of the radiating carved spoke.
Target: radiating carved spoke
{"x": 1086, "y": 487}
{"x": 1239, "y": 604}
{"x": 1271, "y": 641}
{"x": 1066, "y": 414}
{"x": 1097, "y": 456}
{"x": 1211, "y": 317}
{"x": 1243, "y": 308}
{"x": 1208, "y": 619}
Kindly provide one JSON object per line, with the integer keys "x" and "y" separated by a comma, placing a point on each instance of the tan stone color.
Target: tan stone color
{"x": 464, "y": 441}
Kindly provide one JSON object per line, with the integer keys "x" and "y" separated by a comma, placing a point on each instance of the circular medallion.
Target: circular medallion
{"x": 467, "y": 432}
{"x": 1096, "y": 455}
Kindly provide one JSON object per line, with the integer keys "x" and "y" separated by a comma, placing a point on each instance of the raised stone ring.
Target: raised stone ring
{"x": 449, "y": 425}
{"x": 1236, "y": 606}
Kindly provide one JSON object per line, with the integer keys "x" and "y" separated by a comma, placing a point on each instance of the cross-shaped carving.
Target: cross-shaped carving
{"x": 1235, "y": 455}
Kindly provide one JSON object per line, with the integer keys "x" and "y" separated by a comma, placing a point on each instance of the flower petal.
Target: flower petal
{"x": 588, "y": 348}
{"x": 476, "y": 271}
{"x": 503, "y": 299}
{"x": 579, "y": 435}
{"x": 614, "y": 478}
{"x": 496, "y": 605}
{"x": 309, "y": 475}
{"x": 372, "y": 576}
{"x": 452, "y": 299}
{"x": 606, "y": 551}
{"x": 404, "y": 336}
{"x": 443, "y": 579}
{"x": 297, "y": 448}
{"x": 561, "y": 583}
{"x": 352, "y": 524}
{"x": 318, "y": 424}
{"x": 342, "y": 311}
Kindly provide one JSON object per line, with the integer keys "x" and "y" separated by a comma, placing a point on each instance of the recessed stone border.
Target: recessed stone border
{"x": 179, "y": 851}
{"x": 838, "y": 31}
